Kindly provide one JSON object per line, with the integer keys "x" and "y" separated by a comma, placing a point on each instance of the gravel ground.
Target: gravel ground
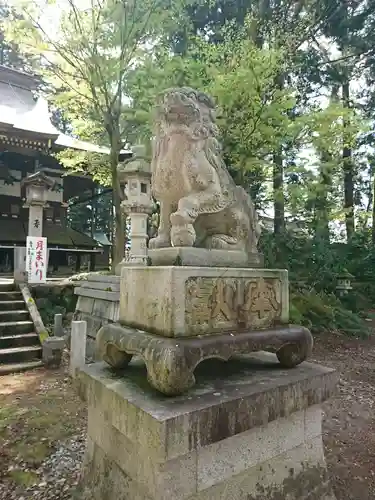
{"x": 42, "y": 436}
{"x": 43, "y": 427}
{"x": 349, "y": 423}
{"x": 58, "y": 475}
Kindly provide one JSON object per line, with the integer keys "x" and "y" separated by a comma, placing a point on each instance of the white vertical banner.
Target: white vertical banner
{"x": 36, "y": 259}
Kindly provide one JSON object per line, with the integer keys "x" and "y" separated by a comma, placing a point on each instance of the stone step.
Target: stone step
{"x": 18, "y": 315}
{"x": 23, "y": 340}
{"x": 7, "y": 287}
{"x": 16, "y": 327}
{"x": 12, "y": 295}
{"x": 20, "y": 354}
{"x": 11, "y": 305}
{"x": 19, "y": 367}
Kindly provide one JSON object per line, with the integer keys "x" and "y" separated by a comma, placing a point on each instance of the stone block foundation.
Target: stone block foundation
{"x": 247, "y": 431}
{"x": 98, "y": 304}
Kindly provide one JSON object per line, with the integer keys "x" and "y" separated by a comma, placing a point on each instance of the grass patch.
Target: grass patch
{"x": 7, "y": 415}
{"x": 33, "y": 453}
{"x": 23, "y": 478}
{"x": 37, "y": 411}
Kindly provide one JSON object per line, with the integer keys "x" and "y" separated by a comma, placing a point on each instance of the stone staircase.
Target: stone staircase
{"x": 20, "y": 348}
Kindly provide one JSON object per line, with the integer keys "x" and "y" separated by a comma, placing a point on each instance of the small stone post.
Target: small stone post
{"x": 58, "y": 330}
{"x": 77, "y": 347}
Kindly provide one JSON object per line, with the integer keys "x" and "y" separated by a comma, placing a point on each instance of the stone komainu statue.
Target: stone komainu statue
{"x": 200, "y": 205}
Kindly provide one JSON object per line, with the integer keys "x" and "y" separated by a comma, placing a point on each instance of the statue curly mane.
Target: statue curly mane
{"x": 192, "y": 112}
{"x": 189, "y": 108}
{"x": 190, "y": 176}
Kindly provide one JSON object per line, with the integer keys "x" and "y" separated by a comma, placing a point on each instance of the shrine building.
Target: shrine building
{"x": 27, "y": 141}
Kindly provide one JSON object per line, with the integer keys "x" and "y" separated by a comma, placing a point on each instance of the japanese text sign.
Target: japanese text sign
{"x": 36, "y": 259}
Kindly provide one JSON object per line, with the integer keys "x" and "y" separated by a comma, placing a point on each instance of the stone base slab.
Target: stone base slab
{"x": 171, "y": 363}
{"x": 192, "y": 301}
{"x": 202, "y": 257}
{"x": 251, "y": 433}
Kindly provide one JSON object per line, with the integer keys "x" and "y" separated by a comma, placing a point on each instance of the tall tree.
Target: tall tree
{"x": 277, "y": 24}
{"x": 88, "y": 57}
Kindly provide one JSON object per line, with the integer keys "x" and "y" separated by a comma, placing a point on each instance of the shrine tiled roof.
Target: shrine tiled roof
{"x": 21, "y": 111}
{"x": 14, "y": 231}
{"x": 18, "y": 107}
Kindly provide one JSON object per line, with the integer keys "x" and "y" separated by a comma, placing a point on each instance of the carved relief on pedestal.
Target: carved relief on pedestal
{"x": 262, "y": 303}
{"x": 211, "y": 305}
{"x": 222, "y": 304}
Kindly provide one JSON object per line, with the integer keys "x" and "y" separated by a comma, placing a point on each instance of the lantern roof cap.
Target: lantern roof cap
{"x": 344, "y": 274}
{"x": 38, "y": 179}
{"x": 139, "y": 163}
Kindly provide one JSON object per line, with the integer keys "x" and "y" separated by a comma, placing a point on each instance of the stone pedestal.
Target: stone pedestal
{"x": 184, "y": 301}
{"x": 174, "y": 317}
{"x": 203, "y": 257}
{"x": 247, "y": 431}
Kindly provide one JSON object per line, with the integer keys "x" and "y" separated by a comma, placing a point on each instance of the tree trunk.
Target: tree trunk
{"x": 118, "y": 244}
{"x": 278, "y": 180}
{"x": 348, "y": 170}
{"x": 373, "y": 211}
{"x": 278, "y": 193}
{"x": 119, "y": 232}
{"x": 321, "y": 202}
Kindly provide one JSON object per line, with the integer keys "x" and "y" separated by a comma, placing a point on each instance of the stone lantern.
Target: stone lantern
{"x": 135, "y": 179}
{"x": 37, "y": 186}
{"x": 344, "y": 285}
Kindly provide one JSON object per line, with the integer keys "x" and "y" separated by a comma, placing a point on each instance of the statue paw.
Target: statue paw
{"x": 183, "y": 236}
{"x": 159, "y": 242}
{"x": 222, "y": 242}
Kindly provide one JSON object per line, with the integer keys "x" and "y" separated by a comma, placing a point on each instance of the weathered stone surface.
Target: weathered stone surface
{"x": 297, "y": 474}
{"x": 96, "y": 294}
{"x": 77, "y": 347}
{"x": 94, "y": 323}
{"x": 313, "y": 422}
{"x": 228, "y": 399}
{"x": 52, "y": 349}
{"x": 175, "y": 478}
{"x": 193, "y": 301}
{"x": 85, "y": 304}
{"x": 249, "y": 433}
{"x": 108, "y": 286}
{"x": 58, "y": 329}
{"x": 40, "y": 329}
{"x": 229, "y": 457}
{"x": 200, "y": 205}
{"x": 103, "y": 479}
{"x": 171, "y": 363}
{"x": 97, "y": 306}
{"x": 102, "y": 278}
{"x": 202, "y": 257}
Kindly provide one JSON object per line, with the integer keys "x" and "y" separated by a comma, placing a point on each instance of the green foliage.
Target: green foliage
{"x": 54, "y": 300}
{"x": 324, "y": 312}
{"x": 314, "y": 267}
